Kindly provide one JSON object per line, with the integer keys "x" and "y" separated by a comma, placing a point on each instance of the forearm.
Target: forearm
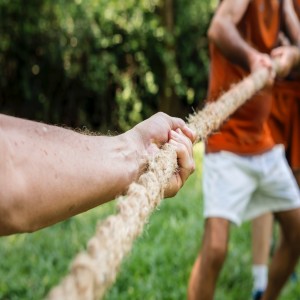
{"x": 226, "y": 37}
{"x": 291, "y": 22}
{"x": 224, "y": 34}
{"x": 292, "y": 26}
{"x": 49, "y": 173}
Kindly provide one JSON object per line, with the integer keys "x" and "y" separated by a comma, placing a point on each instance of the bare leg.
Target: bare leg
{"x": 261, "y": 241}
{"x": 210, "y": 261}
{"x": 261, "y": 238}
{"x": 287, "y": 254}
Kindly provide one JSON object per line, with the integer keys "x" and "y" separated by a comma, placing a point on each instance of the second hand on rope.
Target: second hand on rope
{"x": 94, "y": 271}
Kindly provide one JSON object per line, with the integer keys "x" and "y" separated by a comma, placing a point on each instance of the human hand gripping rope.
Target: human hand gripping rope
{"x": 94, "y": 271}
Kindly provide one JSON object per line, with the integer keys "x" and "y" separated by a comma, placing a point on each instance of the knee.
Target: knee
{"x": 216, "y": 253}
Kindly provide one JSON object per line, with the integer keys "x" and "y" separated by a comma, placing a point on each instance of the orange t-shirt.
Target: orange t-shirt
{"x": 284, "y": 120}
{"x": 246, "y": 131}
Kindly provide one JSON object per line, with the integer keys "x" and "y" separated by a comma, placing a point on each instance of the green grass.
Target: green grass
{"x": 158, "y": 267}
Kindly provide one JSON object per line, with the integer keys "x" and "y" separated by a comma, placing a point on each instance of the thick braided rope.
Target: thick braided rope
{"x": 94, "y": 271}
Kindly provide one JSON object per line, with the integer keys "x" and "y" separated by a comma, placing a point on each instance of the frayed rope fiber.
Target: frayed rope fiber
{"x": 94, "y": 271}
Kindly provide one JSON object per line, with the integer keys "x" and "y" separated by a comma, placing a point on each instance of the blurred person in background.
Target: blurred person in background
{"x": 284, "y": 123}
{"x": 245, "y": 174}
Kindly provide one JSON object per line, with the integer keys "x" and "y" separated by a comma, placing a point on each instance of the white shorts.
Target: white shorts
{"x": 239, "y": 188}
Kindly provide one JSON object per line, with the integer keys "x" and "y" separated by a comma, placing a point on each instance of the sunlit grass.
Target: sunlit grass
{"x": 158, "y": 267}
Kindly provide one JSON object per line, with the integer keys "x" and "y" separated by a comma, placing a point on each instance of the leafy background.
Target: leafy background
{"x": 104, "y": 64}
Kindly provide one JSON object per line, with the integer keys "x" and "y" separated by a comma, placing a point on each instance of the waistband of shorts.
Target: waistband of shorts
{"x": 279, "y": 148}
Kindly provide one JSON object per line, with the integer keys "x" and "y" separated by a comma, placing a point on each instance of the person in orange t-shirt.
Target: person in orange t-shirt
{"x": 245, "y": 175}
{"x": 284, "y": 122}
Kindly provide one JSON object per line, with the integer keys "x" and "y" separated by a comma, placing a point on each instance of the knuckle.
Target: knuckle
{"x": 161, "y": 114}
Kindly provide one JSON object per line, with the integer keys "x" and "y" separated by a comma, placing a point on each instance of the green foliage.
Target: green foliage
{"x": 102, "y": 64}
{"x": 158, "y": 268}
{"x": 192, "y": 22}
{"x": 32, "y": 263}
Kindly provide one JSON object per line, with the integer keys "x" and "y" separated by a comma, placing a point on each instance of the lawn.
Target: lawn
{"x": 158, "y": 267}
